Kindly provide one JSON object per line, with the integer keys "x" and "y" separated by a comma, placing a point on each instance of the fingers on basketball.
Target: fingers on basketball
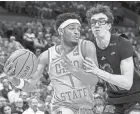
{"x": 22, "y": 63}
{"x": 11, "y": 72}
{"x": 9, "y": 68}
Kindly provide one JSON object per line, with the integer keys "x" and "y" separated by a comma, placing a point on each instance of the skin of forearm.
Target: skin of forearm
{"x": 118, "y": 80}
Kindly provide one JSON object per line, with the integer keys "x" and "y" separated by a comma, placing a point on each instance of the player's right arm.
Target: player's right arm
{"x": 42, "y": 64}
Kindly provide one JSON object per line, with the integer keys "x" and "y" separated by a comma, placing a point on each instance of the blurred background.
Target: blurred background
{"x": 30, "y": 25}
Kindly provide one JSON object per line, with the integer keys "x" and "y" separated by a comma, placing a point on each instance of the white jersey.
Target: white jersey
{"x": 67, "y": 88}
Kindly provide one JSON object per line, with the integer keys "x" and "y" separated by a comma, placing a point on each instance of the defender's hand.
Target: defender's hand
{"x": 90, "y": 65}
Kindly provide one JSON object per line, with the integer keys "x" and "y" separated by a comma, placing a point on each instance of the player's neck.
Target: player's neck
{"x": 66, "y": 48}
{"x": 103, "y": 42}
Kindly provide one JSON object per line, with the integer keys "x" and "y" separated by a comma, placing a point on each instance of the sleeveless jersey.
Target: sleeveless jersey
{"x": 67, "y": 88}
{"x": 109, "y": 60}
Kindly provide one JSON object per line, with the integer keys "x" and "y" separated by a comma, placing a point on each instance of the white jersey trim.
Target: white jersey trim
{"x": 80, "y": 48}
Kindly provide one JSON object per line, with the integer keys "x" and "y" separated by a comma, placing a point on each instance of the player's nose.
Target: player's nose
{"x": 76, "y": 31}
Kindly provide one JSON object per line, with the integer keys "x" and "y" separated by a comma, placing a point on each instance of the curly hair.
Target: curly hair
{"x": 100, "y": 9}
{"x": 65, "y": 16}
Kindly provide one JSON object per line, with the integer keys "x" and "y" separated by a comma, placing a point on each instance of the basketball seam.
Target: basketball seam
{"x": 19, "y": 56}
{"x": 24, "y": 64}
{"x": 16, "y": 66}
{"x": 32, "y": 67}
{"x": 33, "y": 63}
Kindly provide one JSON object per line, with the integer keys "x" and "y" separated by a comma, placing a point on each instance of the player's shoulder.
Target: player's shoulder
{"x": 87, "y": 47}
{"x": 43, "y": 56}
{"x": 121, "y": 41}
{"x": 124, "y": 42}
{"x": 87, "y": 43}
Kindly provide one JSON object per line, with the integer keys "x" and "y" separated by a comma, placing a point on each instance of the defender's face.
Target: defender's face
{"x": 72, "y": 33}
{"x": 100, "y": 25}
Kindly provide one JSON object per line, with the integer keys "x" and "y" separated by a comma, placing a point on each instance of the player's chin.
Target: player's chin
{"x": 75, "y": 42}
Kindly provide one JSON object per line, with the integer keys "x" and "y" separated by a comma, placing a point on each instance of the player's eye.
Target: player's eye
{"x": 71, "y": 28}
{"x": 102, "y": 22}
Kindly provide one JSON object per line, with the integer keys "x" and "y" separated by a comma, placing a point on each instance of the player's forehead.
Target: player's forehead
{"x": 99, "y": 16}
{"x": 73, "y": 25}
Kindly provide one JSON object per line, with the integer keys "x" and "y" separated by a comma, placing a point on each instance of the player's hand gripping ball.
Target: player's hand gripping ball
{"x": 21, "y": 64}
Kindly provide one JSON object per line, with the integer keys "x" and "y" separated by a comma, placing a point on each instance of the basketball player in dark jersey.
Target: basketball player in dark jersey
{"x": 115, "y": 59}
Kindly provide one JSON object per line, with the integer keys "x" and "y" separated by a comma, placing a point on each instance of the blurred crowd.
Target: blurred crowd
{"x": 38, "y": 35}
{"x": 134, "y": 6}
{"x": 15, "y": 101}
{"x": 47, "y": 9}
{"x": 50, "y": 9}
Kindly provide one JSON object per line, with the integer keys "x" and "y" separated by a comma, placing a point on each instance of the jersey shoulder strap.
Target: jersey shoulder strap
{"x": 50, "y": 51}
{"x": 81, "y": 47}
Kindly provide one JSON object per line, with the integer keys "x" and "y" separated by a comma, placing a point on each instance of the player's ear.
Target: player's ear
{"x": 109, "y": 26}
{"x": 60, "y": 31}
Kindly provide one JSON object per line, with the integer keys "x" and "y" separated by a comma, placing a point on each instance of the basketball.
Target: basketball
{"x": 25, "y": 63}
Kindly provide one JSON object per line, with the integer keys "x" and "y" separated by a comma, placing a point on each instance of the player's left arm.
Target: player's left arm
{"x": 125, "y": 79}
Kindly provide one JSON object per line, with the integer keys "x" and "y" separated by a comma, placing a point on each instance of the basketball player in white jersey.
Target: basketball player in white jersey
{"x": 71, "y": 95}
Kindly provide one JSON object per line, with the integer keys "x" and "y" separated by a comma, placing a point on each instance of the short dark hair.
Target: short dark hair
{"x": 99, "y": 8}
{"x": 65, "y": 16}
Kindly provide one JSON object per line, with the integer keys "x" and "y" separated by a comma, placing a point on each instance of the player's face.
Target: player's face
{"x": 71, "y": 34}
{"x": 100, "y": 25}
